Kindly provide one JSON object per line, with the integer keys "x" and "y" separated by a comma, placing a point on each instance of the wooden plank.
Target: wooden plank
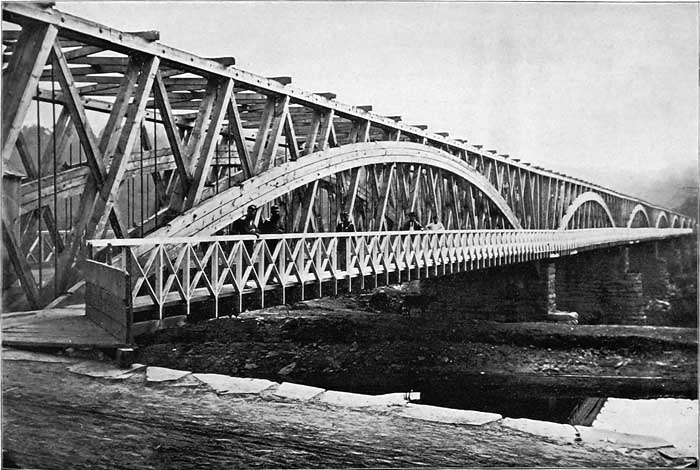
{"x": 302, "y": 217}
{"x": 268, "y": 139}
{"x": 93, "y": 152}
{"x": 109, "y": 278}
{"x": 353, "y": 190}
{"x": 20, "y": 265}
{"x": 26, "y": 156}
{"x": 109, "y": 192}
{"x": 239, "y": 139}
{"x": 77, "y": 113}
{"x": 200, "y": 172}
{"x": 81, "y": 52}
{"x": 166, "y": 112}
{"x": 385, "y": 196}
{"x": 325, "y": 132}
{"x": 62, "y": 131}
{"x": 266, "y": 119}
{"x": 290, "y": 138}
{"x": 21, "y": 77}
{"x": 312, "y": 133}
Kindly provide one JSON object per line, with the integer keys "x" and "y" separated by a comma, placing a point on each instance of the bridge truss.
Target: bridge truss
{"x": 111, "y": 134}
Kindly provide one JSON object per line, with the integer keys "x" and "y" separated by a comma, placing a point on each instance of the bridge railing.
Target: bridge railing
{"x": 182, "y": 271}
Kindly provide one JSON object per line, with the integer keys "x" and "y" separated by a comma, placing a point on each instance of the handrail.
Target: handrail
{"x": 204, "y": 268}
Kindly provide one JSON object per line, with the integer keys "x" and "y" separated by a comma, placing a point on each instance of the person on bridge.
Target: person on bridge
{"x": 412, "y": 222}
{"x": 435, "y": 224}
{"x": 345, "y": 224}
{"x": 246, "y": 224}
{"x": 274, "y": 223}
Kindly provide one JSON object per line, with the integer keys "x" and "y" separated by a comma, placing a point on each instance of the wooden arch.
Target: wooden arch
{"x": 219, "y": 211}
{"x": 637, "y": 209}
{"x": 662, "y": 215}
{"x": 589, "y": 196}
{"x": 675, "y": 221}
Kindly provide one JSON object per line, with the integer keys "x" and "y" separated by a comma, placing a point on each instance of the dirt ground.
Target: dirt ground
{"x": 344, "y": 344}
{"x": 53, "y": 419}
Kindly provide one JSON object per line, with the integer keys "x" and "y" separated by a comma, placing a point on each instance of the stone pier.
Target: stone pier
{"x": 606, "y": 286}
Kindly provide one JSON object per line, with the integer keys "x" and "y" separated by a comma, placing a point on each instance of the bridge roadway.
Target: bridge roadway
{"x": 184, "y": 271}
{"x": 189, "y": 142}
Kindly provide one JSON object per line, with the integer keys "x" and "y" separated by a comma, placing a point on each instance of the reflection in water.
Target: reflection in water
{"x": 673, "y": 419}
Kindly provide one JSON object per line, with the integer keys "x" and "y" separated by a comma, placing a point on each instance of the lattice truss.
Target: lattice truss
{"x": 113, "y": 134}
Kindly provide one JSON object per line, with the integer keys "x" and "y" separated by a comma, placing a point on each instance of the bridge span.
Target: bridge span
{"x": 147, "y": 154}
{"x": 181, "y": 272}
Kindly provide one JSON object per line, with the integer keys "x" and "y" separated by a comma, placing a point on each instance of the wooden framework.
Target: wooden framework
{"x": 183, "y": 271}
{"x": 147, "y": 139}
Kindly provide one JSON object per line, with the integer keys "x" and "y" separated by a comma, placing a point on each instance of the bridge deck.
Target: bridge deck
{"x": 58, "y": 327}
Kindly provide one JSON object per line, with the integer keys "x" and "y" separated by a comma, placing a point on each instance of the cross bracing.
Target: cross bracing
{"x": 148, "y": 140}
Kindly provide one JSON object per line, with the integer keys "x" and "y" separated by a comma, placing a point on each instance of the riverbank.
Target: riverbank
{"x": 54, "y": 418}
{"x": 344, "y": 344}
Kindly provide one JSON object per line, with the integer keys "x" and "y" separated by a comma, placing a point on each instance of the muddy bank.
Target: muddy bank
{"x": 54, "y": 419}
{"x": 334, "y": 343}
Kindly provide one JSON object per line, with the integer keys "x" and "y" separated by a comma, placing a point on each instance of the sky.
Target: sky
{"x": 606, "y": 92}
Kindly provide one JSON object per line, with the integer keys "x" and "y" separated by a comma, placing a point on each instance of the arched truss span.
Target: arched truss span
{"x": 637, "y": 210}
{"x": 675, "y": 221}
{"x": 219, "y": 211}
{"x": 662, "y": 215}
{"x": 589, "y": 196}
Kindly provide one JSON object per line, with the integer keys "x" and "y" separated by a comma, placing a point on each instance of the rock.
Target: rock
{"x": 563, "y": 317}
{"x": 333, "y": 397}
{"x": 297, "y": 392}
{"x": 448, "y": 415}
{"x": 250, "y": 365}
{"x": 601, "y": 437}
{"x": 102, "y": 370}
{"x": 163, "y": 374}
{"x": 286, "y": 370}
{"x": 223, "y": 384}
{"x": 563, "y": 432}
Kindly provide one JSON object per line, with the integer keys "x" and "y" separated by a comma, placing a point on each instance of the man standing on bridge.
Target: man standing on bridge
{"x": 412, "y": 222}
{"x": 345, "y": 225}
{"x": 246, "y": 224}
{"x": 274, "y": 223}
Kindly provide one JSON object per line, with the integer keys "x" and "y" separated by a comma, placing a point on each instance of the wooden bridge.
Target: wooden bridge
{"x": 140, "y": 156}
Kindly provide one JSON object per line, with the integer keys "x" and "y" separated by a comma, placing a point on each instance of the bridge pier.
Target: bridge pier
{"x": 519, "y": 292}
{"x": 607, "y": 286}
{"x": 645, "y": 259}
{"x": 599, "y": 286}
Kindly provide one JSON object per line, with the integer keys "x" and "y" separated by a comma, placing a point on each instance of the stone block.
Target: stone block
{"x": 163, "y": 374}
{"x": 563, "y": 432}
{"x": 604, "y": 438}
{"x": 297, "y": 392}
{"x": 356, "y": 400}
{"x": 448, "y": 415}
{"x": 563, "y": 317}
{"x": 224, "y": 384}
{"x": 102, "y": 370}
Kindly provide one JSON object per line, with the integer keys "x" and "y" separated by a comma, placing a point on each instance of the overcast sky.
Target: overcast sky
{"x": 601, "y": 91}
